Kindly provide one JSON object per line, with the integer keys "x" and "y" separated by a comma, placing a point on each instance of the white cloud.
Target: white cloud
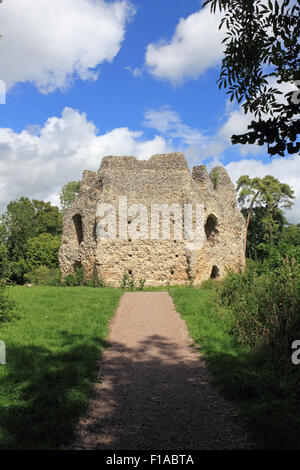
{"x": 195, "y": 47}
{"x": 168, "y": 122}
{"x": 38, "y": 164}
{"x": 179, "y": 135}
{"x": 197, "y": 145}
{"x": 235, "y": 122}
{"x": 136, "y": 72}
{"x": 285, "y": 169}
{"x": 49, "y": 42}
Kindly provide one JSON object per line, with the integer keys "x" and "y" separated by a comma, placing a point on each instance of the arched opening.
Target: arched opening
{"x": 211, "y": 227}
{"x": 215, "y": 273}
{"x": 77, "y": 219}
{"x": 77, "y": 265}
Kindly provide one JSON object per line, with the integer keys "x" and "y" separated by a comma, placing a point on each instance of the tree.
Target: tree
{"x": 42, "y": 250}
{"x": 68, "y": 194}
{"x": 24, "y": 220}
{"x": 4, "y": 263}
{"x": 267, "y": 193}
{"x": 17, "y": 225}
{"x": 258, "y": 233}
{"x": 47, "y": 218}
{"x": 262, "y": 51}
{"x": 291, "y": 235}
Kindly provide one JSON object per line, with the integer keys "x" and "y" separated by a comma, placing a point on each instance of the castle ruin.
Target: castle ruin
{"x": 164, "y": 181}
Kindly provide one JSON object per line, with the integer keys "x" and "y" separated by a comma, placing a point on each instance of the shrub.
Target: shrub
{"x": 78, "y": 279}
{"x": 142, "y": 284}
{"x": 127, "y": 281}
{"x": 44, "y": 276}
{"x": 94, "y": 281}
{"x": 265, "y": 305}
{"x": 210, "y": 284}
{"x": 70, "y": 281}
{"x": 75, "y": 279}
{"x": 4, "y": 262}
{"x": 16, "y": 271}
{"x": 215, "y": 178}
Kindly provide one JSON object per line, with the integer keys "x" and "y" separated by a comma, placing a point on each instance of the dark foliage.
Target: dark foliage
{"x": 262, "y": 52}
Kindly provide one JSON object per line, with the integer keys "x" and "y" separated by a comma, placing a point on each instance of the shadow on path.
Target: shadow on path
{"x": 152, "y": 397}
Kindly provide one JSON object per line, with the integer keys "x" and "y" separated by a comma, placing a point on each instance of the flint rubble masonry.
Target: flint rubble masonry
{"x": 163, "y": 179}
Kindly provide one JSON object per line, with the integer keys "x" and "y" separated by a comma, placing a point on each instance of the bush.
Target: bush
{"x": 75, "y": 279}
{"x": 215, "y": 178}
{"x": 265, "y": 305}
{"x": 78, "y": 279}
{"x": 4, "y": 262}
{"x": 94, "y": 281}
{"x": 276, "y": 256}
{"x": 210, "y": 284}
{"x": 16, "y": 271}
{"x": 44, "y": 276}
{"x": 142, "y": 284}
{"x": 127, "y": 282}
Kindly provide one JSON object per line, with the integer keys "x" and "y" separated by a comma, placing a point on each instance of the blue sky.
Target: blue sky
{"x": 89, "y": 78}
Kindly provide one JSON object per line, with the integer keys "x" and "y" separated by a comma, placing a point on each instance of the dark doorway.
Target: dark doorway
{"x": 211, "y": 227}
{"x": 77, "y": 219}
{"x": 215, "y": 273}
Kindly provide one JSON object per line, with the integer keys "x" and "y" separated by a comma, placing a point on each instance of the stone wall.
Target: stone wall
{"x": 163, "y": 179}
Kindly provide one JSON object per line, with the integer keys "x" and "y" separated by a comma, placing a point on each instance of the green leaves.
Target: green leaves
{"x": 42, "y": 250}
{"x": 68, "y": 194}
{"x": 272, "y": 193}
{"x": 261, "y": 42}
{"x": 264, "y": 196}
{"x": 23, "y": 222}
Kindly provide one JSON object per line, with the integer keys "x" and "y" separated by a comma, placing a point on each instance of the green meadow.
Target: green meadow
{"x": 53, "y": 345}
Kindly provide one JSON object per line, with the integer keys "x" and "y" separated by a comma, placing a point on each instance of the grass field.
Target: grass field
{"x": 52, "y": 352}
{"x": 56, "y": 339}
{"x": 267, "y": 401}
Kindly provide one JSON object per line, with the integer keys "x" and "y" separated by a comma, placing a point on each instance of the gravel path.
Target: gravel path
{"x": 155, "y": 392}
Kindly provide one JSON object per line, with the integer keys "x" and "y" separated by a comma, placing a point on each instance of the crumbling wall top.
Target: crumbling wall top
{"x": 201, "y": 176}
{"x": 221, "y": 179}
{"x": 88, "y": 180}
{"x": 170, "y": 161}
